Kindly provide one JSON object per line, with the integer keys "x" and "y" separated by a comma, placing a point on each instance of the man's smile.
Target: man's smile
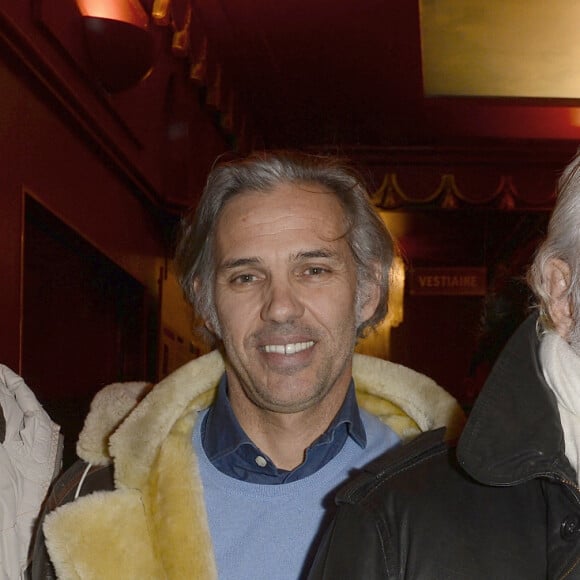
{"x": 291, "y": 348}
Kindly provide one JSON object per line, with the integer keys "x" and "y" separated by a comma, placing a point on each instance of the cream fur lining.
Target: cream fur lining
{"x": 419, "y": 397}
{"x": 136, "y": 443}
{"x": 88, "y": 547}
{"x": 110, "y": 406}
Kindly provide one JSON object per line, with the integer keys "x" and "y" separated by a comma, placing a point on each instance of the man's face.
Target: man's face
{"x": 285, "y": 297}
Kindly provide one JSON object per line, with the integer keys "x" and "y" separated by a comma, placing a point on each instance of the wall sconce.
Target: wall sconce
{"x": 118, "y": 40}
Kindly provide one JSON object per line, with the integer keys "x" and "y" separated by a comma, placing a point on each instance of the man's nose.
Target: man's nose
{"x": 282, "y": 303}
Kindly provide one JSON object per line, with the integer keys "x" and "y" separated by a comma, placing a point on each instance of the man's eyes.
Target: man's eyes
{"x": 305, "y": 272}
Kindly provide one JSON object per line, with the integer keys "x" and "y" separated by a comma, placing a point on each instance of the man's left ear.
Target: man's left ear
{"x": 372, "y": 297}
{"x": 557, "y": 275}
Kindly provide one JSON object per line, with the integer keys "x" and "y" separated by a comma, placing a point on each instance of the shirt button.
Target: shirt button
{"x": 260, "y": 461}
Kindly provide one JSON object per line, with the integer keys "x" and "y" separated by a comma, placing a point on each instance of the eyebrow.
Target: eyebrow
{"x": 238, "y": 263}
{"x": 308, "y": 254}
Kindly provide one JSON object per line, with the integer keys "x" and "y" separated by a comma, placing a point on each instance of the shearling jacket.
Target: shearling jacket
{"x": 153, "y": 524}
{"x": 504, "y": 505}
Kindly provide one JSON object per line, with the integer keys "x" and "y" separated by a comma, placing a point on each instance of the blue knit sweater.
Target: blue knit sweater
{"x": 267, "y": 532}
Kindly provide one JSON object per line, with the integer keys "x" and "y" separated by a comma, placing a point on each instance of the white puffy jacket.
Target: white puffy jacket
{"x": 30, "y": 457}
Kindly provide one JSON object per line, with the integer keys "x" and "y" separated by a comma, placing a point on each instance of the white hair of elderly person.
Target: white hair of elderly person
{"x": 30, "y": 457}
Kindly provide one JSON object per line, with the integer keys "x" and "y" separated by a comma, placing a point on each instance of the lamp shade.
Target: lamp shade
{"x": 121, "y": 53}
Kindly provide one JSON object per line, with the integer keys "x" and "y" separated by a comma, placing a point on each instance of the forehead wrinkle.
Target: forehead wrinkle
{"x": 324, "y": 237}
{"x": 293, "y": 257}
{"x": 277, "y": 225}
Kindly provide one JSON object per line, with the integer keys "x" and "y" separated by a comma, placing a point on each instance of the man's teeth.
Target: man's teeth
{"x": 292, "y": 348}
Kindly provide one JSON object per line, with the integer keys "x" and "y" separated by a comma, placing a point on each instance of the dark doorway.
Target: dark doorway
{"x": 86, "y": 322}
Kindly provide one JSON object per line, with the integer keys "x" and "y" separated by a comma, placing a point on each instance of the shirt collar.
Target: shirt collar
{"x": 228, "y": 447}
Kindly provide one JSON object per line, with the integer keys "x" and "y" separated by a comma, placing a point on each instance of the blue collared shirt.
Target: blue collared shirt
{"x": 232, "y": 452}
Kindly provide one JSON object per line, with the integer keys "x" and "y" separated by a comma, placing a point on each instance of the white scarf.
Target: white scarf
{"x": 561, "y": 367}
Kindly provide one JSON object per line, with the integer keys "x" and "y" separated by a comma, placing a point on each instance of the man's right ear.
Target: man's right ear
{"x": 208, "y": 325}
{"x": 557, "y": 276}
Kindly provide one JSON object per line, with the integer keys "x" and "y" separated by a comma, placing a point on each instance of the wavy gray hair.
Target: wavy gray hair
{"x": 562, "y": 242}
{"x": 371, "y": 244}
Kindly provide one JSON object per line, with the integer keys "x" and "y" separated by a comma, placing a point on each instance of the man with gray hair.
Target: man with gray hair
{"x": 227, "y": 467}
{"x": 506, "y": 502}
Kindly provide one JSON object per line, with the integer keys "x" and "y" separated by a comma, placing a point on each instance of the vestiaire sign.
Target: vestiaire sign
{"x": 468, "y": 281}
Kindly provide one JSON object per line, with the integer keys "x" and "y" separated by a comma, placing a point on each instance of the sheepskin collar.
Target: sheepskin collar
{"x": 407, "y": 401}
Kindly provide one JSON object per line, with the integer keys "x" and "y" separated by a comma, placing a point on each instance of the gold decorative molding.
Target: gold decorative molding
{"x": 160, "y": 12}
{"x": 190, "y": 42}
{"x": 506, "y": 196}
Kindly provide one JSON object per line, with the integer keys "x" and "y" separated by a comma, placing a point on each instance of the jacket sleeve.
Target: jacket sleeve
{"x": 79, "y": 480}
{"x": 352, "y": 548}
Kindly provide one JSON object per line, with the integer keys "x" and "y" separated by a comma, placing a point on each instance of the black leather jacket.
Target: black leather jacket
{"x": 503, "y": 505}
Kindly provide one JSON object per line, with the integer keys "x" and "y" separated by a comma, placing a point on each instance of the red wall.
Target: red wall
{"x": 96, "y": 161}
